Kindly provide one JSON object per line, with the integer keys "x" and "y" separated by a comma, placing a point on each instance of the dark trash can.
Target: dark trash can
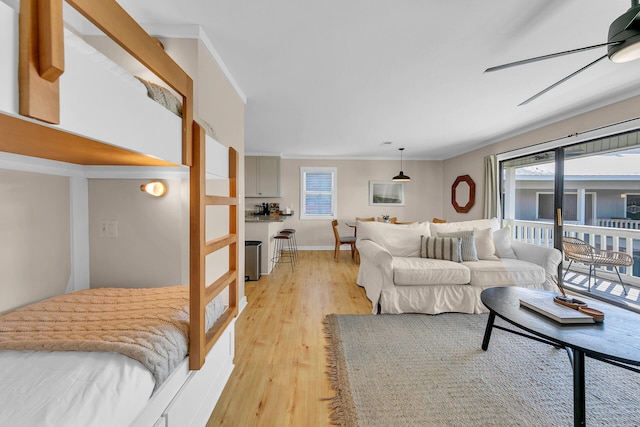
{"x": 252, "y": 259}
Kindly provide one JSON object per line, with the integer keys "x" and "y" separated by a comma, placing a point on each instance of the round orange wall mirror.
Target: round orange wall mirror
{"x": 463, "y": 193}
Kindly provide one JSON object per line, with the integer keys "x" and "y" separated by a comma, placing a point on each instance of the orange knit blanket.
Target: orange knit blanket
{"x": 148, "y": 325}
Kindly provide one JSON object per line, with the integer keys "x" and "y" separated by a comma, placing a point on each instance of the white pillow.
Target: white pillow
{"x": 484, "y": 244}
{"x": 449, "y": 227}
{"x": 401, "y": 240}
{"x": 502, "y": 242}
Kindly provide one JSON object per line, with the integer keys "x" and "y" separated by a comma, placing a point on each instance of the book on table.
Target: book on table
{"x": 545, "y": 305}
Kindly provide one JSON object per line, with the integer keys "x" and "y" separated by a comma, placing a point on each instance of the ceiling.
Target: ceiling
{"x": 336, "y": 79}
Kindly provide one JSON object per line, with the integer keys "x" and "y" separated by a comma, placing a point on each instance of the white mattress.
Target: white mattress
{"x": 71, "y": 389}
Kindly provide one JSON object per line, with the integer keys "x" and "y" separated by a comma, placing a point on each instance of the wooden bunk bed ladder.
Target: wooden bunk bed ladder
{"x": 201, "y": 341}
{"x": 41, "y": 62}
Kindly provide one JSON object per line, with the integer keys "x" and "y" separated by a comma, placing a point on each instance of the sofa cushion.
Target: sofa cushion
{"x": 502, "y": 242}
{"x": 468, "y": 243}
{"x": 398, "y": 239}
{"x": 426, "y": 271}
{"x": 449, "y": 227}
{"x": 448, "y": 248}
{"x": 504, "y": 272}
{"x": 484, "y": 244}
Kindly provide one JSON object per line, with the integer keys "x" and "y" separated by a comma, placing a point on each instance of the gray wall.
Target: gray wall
{"x": 35, "y": 253}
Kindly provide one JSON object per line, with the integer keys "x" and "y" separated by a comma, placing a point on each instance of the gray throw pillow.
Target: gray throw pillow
{"x": 446, "y": 248}
{"x": 469, "y": 252}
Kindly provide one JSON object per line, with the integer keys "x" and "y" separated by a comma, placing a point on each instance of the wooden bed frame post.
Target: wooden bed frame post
{"x": 197, "y": 253}
{"x": 40, "y": 64}
{"x": 233, "y": 225}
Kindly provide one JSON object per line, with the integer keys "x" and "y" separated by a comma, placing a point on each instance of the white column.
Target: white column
{"x": 580, "y": 213}
{"x": 510, "y": 194}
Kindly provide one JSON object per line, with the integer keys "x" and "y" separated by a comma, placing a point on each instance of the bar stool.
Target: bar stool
{"x": 292, "y": 232}
{"x": 283, "y": 252}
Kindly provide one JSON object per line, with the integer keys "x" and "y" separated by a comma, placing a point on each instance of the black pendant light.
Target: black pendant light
{"x": 401, "y": 177}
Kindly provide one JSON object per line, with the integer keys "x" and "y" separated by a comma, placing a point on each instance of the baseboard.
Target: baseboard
{"x": 242, "y": 305}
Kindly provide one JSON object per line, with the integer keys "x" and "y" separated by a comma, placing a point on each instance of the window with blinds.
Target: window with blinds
{"x": 318, "y": 192}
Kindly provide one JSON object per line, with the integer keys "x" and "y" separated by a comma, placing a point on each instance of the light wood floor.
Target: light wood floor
{"x": 280, "y": 358}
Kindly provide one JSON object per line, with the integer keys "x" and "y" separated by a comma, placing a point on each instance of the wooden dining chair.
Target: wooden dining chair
{"x": 365, "y": 219}
{"x": 362, "y": 219}
{"x": 392, "y": 220}
{"x": 342, "y": 240}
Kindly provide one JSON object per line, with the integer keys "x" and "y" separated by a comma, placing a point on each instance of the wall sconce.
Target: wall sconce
{"x": 623, "y": 196}
{"x": 155, "y": 188}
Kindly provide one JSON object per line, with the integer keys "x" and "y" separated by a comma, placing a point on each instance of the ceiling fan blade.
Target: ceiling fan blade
{"x": 542, "y": 92}
{"x": 632, "y": 21}
{"x": 543, "y": 57}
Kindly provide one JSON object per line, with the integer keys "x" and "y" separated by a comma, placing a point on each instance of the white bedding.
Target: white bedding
{"x": 48, "y": 388}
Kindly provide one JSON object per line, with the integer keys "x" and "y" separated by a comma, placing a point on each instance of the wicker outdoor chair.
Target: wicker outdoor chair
{"x": 582, "y": 252}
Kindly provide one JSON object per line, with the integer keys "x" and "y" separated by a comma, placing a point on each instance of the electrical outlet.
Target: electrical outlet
{"x": 108, "y": 228}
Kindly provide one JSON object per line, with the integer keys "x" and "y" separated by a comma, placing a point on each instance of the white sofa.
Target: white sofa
{"x": 399, "y": 278}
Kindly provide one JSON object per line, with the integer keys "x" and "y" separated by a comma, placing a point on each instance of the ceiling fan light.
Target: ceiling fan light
{"x": 624, "y": 36}
{"x": 627, "y": 53}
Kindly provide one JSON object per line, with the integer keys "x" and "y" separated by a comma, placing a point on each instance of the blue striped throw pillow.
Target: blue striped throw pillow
{"x": 447, "y": 248}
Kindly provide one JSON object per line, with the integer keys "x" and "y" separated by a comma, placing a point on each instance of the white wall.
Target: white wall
{"x": 472, "y": 163}
{"x": 215, "y": 101}
{"x": 35, "y": 248}
{"x": 148, "y": 251}
{"x": 423, "y": 195}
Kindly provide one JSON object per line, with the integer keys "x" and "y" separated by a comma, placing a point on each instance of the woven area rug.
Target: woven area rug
{"x": 420, "y": 370}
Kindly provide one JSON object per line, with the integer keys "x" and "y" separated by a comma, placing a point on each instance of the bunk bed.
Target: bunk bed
{"x": 40, "y": 124}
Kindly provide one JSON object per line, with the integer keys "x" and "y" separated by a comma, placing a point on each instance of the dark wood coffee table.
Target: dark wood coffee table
{"x": 615, "y": 341}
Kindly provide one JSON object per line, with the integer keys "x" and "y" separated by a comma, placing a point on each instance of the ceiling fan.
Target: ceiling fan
{"x": 623, "y": 45}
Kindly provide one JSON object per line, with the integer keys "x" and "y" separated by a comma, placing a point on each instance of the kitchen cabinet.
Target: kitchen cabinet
{"x": 262, "y": 176}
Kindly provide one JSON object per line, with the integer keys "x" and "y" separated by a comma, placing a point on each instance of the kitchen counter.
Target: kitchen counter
{"x": 264, "y": 218}
{"x": 262, "y": 228}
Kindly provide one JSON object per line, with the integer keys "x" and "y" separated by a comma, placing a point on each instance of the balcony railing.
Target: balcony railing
{"x": 632, "y": 224}
{"x": 612, "y": 238}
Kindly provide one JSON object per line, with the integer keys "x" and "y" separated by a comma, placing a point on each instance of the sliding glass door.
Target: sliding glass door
{"x": 528, "y": 197}
{"x": 589, "y": 190}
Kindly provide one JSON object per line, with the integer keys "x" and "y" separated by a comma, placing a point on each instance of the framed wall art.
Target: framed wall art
{"x": 386, "y": 193}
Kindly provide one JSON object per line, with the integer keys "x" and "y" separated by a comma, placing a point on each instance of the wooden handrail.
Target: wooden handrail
{"x": 27, "y": 138}
{"x": 41, "y": 57}
{"x": 116, "y": 23}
